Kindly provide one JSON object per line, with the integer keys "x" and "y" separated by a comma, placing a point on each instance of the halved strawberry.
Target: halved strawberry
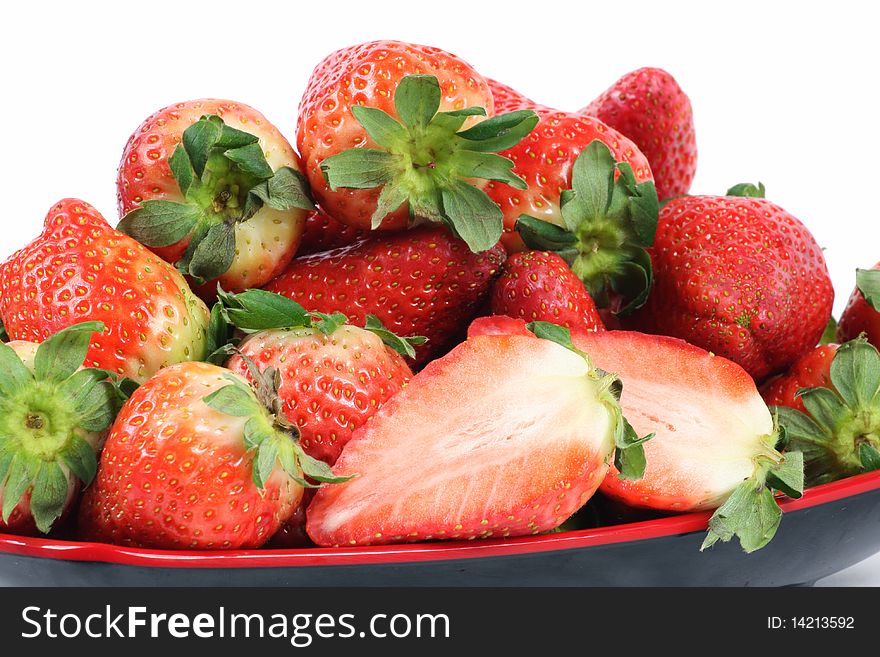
{"x": 838, "y": 429}
{"x": 503, "y": 436}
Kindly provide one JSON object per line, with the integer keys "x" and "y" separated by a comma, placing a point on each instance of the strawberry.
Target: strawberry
{"x": 332, "y": 376}
{"x": 523, "y": 435}
{"x": 198, "y": 459}
{"x": 391, "y": 136}
{"x": 422, "y": 282}
{"x": 213, "y": 187}
{"x": 590, "y": 197}
{"x": 508, "y": 99}
{"x": 862, "y": 312}
{"x": 322, "y": 233}
{"x": 738, "y": 276}
{"x": 650, "y": 108}
{"x": 53, "y": 416}
{"x": 812, "y": 370}
{"x": 838, "y": 424}
{"x": 539, "y": 286}
{"x": 79, "y": 269}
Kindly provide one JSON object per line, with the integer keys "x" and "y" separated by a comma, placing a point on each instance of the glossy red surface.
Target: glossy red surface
{"x": 636, "y": 531}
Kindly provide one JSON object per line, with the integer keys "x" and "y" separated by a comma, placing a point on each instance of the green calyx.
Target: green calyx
{"x": 225, "y": 179}
{"x": 49, "y": 421}
{"x": 260, "y": 310}
{"x": 269, "y": 436}
{"x": 840, "y": 433}
{"x": 868, "y": 283}
{"x": 629, "y": 452}
{"x": 610, "y": 220}
{"x": 425, "y": 159}
{"x": 752, "y": 512}
{"x": 747, "y": 190}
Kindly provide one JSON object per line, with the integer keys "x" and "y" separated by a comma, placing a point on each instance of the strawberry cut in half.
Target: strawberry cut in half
{"x": 503, "y": 436}
{"x": 838, "y": 429}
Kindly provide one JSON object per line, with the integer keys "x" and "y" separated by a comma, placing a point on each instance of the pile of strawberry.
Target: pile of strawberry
{"x": 449, "y": 313}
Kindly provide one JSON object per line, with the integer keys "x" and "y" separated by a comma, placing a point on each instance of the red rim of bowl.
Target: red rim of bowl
{"x": 408, "y": 552}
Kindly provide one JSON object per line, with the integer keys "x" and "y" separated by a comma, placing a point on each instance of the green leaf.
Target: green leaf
{"x": 160, "y": 223}
{"x": 256, "y": 431}
{"x": 360, "y": 168}
{"x": 286, "y": 190}
{"x": 213, "y": 254}
{"x": 592, "y": 178}
{"x": 7, "y": 455}
{"x": 49, "y": 495}
{"x": 473, "y": 216}
{"x": 403, "y": 346}
{"x": 416, "y": 99}
{"x": 61, "y": 354}
{"x": 868, "y": 282}
{"x": 318, "y": 470}
{"x": 747, "y": 190}
{"x": 751, "y": 513}
{"x": 799, "y": 428}
{"x": 181, "y": 169}
{"x": 251, "y": 160}
{"x": 634, "y": 281}
{"x": 629, "y": 455}
{"x": 869, "y": 457}
{"x": 381, "y": 126}
{"x": 830, "y": 334}
{"x": 544, "y": 236}
{"x": 390, "y": 199}
{"x": 558, "y": 334}
{"x": 256, "y": 310}
{"x": 642, "y": 204}
{"x": 264, "y": 462}
{"x": 500, "y": 132}
{"x": 233, "y": 138}
{"x": 80, "y": 457}
{"x": 488, "y": 166}
{"x": 236, "y": 399}
{"x": 825, "y": 407}
{"x": 218, "y": 333}
{"x": 199, "y": 139}
{"x": 328, "y": 323}
{"x": 93, "y": 396}
{"x": 855, "y": 373}
{"x": 22, "y": 471}
{"x": 788, "y": 476}
{"x": 13, "y": 373}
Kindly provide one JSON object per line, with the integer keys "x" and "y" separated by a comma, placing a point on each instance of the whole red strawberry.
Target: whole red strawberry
{"x": 322, "y": 233}
{"x": 539, "y": 286}
{"x": 508, "y": 99}
{"x": 862, "y": 312}
{"x": 195, "y": 460}
{"x": 333, "y": 376}
{"x": 740, "y": 277}
{"x": 213, "y": 187}
{"x": 81, "y": 269}
{"x": 421, "y": 282}
{"x": 650, "y": 108}
{"x": 812, "y": 370}
{"x": 391, "y": 136}
{"x": 503, "y": 436}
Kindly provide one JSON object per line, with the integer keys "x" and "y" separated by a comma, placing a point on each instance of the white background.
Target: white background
{"x": 783, "y": 92}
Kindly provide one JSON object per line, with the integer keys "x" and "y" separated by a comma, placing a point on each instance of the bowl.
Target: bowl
{"x": 830, "y": 528}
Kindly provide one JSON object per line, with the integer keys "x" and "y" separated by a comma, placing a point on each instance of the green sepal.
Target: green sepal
{"x": 629, "y": 453}
{"x": 391, "y": 198}
{"x": 788, "y": 475}
{"x": 199, "y": 140}
{"x": 634, "y": 281}
{"x": 360, "y": 168}
{"x": 402, "y": 345}
{"x": 327, "y": 323}
{"x": 472, "y": 215}
{"x": 824, "y": 406}
{"x": 20, "y": 476}
{"x": 80, "y": 457}
{"x": 747, "y": 190}
{"x": 488, "y": 166}
{"x": 555, "y": 333}
{"x": 500, "y": 132}
{"x": 219, "y": 334}
{"x": 61, "y": 354}
{"x": 318, "y": 470}
{"x": 829, "y": 335}
{"x": 380, "y": 125}
{"x": 94, "y": 397}
{"x": 4, "y": 336}
{"x": 869, "y": 457}
{"x": 286, "y": 190}
{"x": 13, "y": 373}
{"x": 264, "y": 462}
{"x": 868, "y": 283}
{"x": 214, "y": 253}
{"x": 182, "y": 170}
{"x": 544, "y": 236}
{"x": 158, "y": 223}
{"x": 855, "y": 373}
{"x": 251, "y": 160}
{"x": 416, "y": 100}
{"x": 257, "y": 310}
{"x": 236, "y": 399}
{"x": 751, "y": 514}
{"x": 231, "y": 138}
{"x": 48, "y": 495}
